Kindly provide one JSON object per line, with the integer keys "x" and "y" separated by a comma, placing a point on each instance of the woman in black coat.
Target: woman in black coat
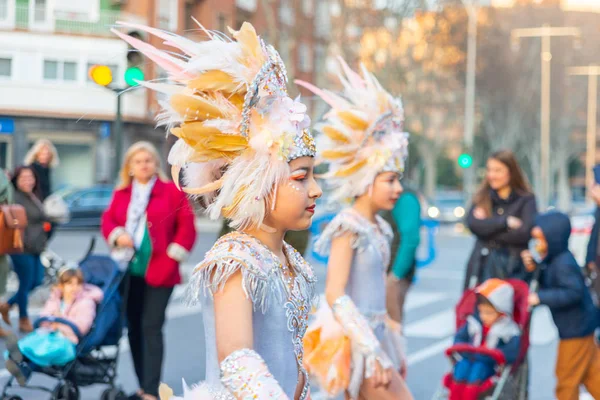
{"x": 501, "y": 219}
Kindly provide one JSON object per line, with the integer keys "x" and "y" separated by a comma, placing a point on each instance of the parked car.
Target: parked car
{"x": 86, "y": 205}
{"x": 447, "y": 208}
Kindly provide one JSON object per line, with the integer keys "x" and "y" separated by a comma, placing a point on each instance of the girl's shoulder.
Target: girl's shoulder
{"x": 261, "y": 270}
{"x": 347, "y": 222}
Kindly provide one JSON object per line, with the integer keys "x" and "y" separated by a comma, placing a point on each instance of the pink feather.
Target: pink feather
{"x": 355, "y": 79}
{"x": 179, "y": 42}
{"x": 334, "y": 101}
{"x": 170, "y": 64}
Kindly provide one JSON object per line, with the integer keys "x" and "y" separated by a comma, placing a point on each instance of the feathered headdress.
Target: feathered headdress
{"x": 236, "y": 125}
{"x": 363, "y": 133}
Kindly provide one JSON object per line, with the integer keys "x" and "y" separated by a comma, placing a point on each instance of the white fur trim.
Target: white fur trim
{"x": 177, "y": 252}
{"x": 114, "y": 235}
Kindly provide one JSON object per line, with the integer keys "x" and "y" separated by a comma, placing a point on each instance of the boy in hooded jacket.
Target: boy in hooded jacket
{"x": 563, "y": 290}
{"x": 491, "y": 327}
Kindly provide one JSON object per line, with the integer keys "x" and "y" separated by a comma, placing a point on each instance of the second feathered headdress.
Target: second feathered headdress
{"x": 227, "y": 103}
{"x": 363, "y": 133}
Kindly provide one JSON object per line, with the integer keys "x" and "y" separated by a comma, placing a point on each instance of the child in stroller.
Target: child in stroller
{"x": 54, "y": 343}
{"x": 509, "y": 379}
{"x": 493, "y": 328}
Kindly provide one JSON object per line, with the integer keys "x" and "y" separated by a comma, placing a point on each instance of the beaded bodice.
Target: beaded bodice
{"x": 282, "y": 296}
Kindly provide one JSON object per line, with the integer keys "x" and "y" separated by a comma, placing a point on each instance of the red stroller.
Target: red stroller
{"x": 510, "y": 381}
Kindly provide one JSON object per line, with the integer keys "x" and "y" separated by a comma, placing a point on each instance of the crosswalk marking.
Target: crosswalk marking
{"x": 417, "y": 299}
{"x": 435, "y": 326}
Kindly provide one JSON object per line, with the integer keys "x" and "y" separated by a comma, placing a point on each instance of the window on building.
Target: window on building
{"x": 3, "y": 10}
{"x": 50, "y": 70}
{"x": 40, "y": 12}
{"x": 167, "y": 14}
{"x": 305, "y": 59}
{"x": 55, "y": 70}
{"x": 308, "y": 7}
{"x": 286, "y": 12}
{"x": 5, "y": 67}
{"x": 70, "y": 71}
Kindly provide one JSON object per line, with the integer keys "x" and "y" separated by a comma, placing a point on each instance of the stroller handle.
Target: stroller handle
{"x": 59, "y": 320}
{"x": 494, "y": 354}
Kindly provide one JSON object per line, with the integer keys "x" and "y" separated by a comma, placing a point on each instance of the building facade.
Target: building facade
{"x": 48, "y": 46}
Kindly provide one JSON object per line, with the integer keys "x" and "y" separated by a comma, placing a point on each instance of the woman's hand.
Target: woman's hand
{"x": 533, "y": 299}
{"x": 124, "y": 241}
{"x": 480, "y": 213}
{"x": 528, "y": 260}
{"x": 381, "y": 377}
{"x": 513, "y": 222}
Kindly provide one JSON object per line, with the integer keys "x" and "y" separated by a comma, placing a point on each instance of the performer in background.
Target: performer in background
{"x": 244, "y": 146}
{"x": 354, "y": 346}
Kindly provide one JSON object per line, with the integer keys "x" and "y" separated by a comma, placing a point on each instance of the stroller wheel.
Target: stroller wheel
{"x": 65, "y": 391}
{"x": 113, "y": 394}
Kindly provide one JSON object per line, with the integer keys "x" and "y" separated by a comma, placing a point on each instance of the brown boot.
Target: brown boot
{"x": 4, "y": 333}
{"x": 25, "y": 325}
{"x": 4, "y": 309}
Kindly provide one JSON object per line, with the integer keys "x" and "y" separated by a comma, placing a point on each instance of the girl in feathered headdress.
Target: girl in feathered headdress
{"x": 245, "y": 147}
{"x": 353, "y": 346}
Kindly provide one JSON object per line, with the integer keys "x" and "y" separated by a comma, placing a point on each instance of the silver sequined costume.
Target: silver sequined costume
{"x": 281, "y": 306}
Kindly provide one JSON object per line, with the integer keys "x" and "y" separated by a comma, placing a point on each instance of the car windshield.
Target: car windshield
{"x": 66, "y": 193}
{"x": 449, "y": 202}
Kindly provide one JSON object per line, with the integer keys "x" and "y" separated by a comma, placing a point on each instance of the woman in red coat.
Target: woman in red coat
{"x": 148, "y": 214}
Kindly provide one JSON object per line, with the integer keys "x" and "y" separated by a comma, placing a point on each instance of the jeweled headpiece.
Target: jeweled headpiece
{"x": 238, "y": 129}
{"x": 363, "y": 133}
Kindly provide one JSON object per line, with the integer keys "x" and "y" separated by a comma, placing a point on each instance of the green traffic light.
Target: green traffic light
{"x": 465, "y": 161}
{"x": 132, "y": 75}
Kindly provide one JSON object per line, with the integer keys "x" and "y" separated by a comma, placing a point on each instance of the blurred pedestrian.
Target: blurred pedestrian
{"x": 563, "y": 290}
{"x": 151, "y": 224}
{"x": 43, "y": 157}
{"x": 6, "y": 197}
{"x": 501, "y": 219}
{"x": 405, "y": 220}
{"x": 27, "y": 265}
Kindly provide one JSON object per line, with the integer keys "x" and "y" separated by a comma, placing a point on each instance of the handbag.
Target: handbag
{"x": 13, "y": 221}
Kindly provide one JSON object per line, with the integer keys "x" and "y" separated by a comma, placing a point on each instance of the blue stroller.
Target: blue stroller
{"x": 97, "y": 353}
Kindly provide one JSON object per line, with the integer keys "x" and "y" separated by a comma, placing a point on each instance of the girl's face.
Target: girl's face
{"x": 26, "y": 181}
{"x": 71, "y": 288}
{"x": 497, "y": 174}
{"x": 142, "y": 166}
{"x": 44, "y": 156}
{"x": 386, "y": 190}
{"x": 295, "y": 199}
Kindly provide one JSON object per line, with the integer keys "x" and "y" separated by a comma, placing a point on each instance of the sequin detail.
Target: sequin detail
{"x": 365, "y": 233}
{"x": 245, "y": 374}
{"x": 264, "y": 282}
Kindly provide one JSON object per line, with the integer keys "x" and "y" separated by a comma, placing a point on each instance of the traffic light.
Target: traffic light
{"x": 465, "y": 161}
{"x": 132, "y": 75}
{"x": 101, "y": 75}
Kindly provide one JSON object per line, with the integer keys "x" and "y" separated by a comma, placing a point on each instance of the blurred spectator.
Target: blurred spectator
{"x": 42, "y": 157}
{"x": 27, "y": 266}
{"x": 6, "y": 197}
{"x": 150, "y": 226}
{"x": 501, "y": 219}
{"x": 563, "y": 290}
{"x": 592, "y": 250}
{"x": 405, "y": 220}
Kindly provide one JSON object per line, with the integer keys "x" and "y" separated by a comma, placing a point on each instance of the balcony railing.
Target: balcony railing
{"x": 45, "y": 19}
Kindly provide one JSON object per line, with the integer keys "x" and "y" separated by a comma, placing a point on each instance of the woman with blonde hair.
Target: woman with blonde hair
{"x": 150, "y": 226}
{"x": 42, "y": 157}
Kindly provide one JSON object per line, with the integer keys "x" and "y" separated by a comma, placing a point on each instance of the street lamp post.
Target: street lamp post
{"x": 472, "y": 8}
{"x": 118, "y": 136}
{"x": 545, "y": 32}
{"x": 592, "y": 72}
